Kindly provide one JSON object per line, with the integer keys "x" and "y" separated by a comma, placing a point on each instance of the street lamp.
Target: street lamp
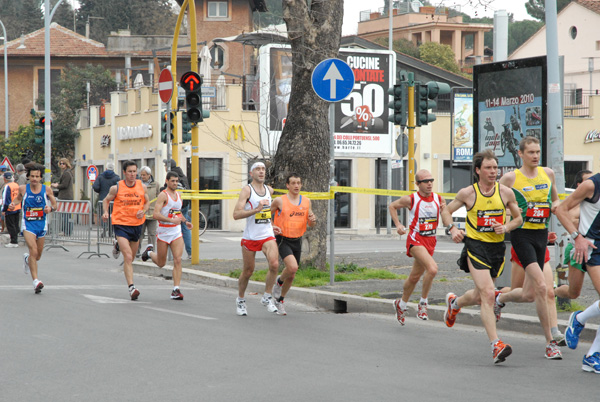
{"x": 6, "y": 124}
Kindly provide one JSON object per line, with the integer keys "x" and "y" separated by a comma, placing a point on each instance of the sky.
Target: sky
{"x": 483, "y": 8}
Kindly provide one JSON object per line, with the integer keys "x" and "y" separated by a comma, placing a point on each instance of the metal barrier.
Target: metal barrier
{"x": 104, "y": 230}
{"x": 71, "y": 222}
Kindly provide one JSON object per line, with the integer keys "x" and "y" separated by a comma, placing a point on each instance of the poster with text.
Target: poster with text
{"x": 462, "y": 133}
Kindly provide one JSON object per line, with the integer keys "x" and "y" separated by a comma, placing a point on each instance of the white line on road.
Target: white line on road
{"x": 178, "y": 313}
{"x": 109, "y": 300}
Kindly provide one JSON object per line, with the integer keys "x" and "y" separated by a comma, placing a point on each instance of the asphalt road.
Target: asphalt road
{"x": 81, "y": 339}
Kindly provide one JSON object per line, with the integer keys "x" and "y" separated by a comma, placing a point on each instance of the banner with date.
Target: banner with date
{"x": 361, "y": 121}
{"x": 510, "y": 104}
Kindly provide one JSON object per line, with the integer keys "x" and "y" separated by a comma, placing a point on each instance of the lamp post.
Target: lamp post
{"x": 6, "y": 123}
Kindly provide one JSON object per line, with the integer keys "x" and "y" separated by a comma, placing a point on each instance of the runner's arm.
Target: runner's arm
{"x": 515, "y": 211}
{"x": 50, "y": 196}
{"x": 112, "y": 193}
{"x": 276, "y": 206}
{"x": 312, "y": 219}
{"x": 461, "y": 199}
{"x": 402, "y": 202}
{"x": 239, "y": 212}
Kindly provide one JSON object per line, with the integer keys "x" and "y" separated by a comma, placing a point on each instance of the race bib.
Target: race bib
{"x": 263, "y": 216}
{"x": 428, "y": 226}
{"x": 34, "y": 214}
{"x": 537, "y": 212}
{"x": 485, "y": 219}
{"x": 174, "y": 212}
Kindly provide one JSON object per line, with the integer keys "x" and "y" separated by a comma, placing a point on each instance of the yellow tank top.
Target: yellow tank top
{"x": 485, "y": 211}
{"x": 534, "y": 197}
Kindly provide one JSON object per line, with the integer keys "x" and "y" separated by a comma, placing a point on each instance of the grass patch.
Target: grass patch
{"x": 570, "y": 307}
{"x": 443, "y": 280}
{"x": 372, "y": 294}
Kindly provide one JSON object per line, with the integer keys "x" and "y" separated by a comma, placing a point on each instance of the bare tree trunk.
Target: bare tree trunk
{"x": 315, "y": 32}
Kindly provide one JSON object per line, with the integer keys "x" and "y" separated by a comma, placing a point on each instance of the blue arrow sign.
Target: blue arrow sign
{"x": 332, "y": 80}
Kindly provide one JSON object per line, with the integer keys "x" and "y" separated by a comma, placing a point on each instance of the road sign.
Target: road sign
{"x": 6, "y": 162}
{"x": 165, "y": 85}
{"x": 92, "y": 173}
{"x": 332, "y": 80}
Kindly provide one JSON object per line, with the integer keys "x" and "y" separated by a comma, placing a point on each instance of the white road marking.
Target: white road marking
{"x": 179, "y": 313}
{"x": 109, "y": 300}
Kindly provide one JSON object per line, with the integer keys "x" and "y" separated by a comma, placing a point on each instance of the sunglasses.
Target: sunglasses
{"x": 425, "y": 181}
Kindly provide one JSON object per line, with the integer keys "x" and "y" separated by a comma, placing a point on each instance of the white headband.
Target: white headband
{"x": 257, "y": 164}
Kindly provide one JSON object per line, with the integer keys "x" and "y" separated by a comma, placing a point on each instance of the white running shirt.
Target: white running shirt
{"x": 258, "y": 226}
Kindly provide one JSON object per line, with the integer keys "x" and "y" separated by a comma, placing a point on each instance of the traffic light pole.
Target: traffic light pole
{"x": 411, "y": 131}
{"x": 168, "y": 115}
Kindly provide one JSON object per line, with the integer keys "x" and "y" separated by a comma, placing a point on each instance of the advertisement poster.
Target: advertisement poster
{"x": 510, "y": 104}
{"x": 361, "y": 121}
{"x": 463, "y": 126}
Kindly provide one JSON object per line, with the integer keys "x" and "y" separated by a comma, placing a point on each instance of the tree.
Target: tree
{"x": 19, "y": 142}
{"x": 315, "y": 31}
{"x": 142, "y": 17}
{"x": 521, "y": 31}
{"x": 401, "y": 45}
{"x": 439, "y": 55}
{"x": 537, "y": 8}
{"x": 26, "y": 16}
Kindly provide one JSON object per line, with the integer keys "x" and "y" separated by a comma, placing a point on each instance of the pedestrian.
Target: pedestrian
{"x": 424, "y": 208}
{"x": 254, "y": 205}
{"x": 65, "y": 192}
{"x": 21, "y": 177}
{"x": 171, "y": 166}
{"x": 128, "y": 215}
{"x": 12, "y": 218}
{"x": 486, "y": 202}
{"x": 37, "y": 201}
{"x": 152, "y": 192}
{"x": 586, "y": 240}
{"x": 102, "y": 186}
{"x": 168, "y": 214}
{"x": 535, "y": 190}
{"x": 292, "y": 213}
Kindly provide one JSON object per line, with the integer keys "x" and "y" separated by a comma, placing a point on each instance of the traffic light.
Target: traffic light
{"x": 186, "y": 128}
{"x": 399, "y": 105}
{"x": 40, "y": 130}
{"x": 426, "y": 95}
{"x": 192, "y": 84}
{"x": 166, "y": 127}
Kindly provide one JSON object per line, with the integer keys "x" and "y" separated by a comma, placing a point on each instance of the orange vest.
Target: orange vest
{"x": 14, "y": 191}
{"x": 292, "y": 219}
{"x": 127, "y": 203}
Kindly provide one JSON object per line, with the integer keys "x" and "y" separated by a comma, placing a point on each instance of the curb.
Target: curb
{"x": 346, "y": 303}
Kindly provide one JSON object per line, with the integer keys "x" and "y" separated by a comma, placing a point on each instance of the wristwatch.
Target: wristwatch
{"x": 575, "y": 234}
{"x": 450, "y": 226}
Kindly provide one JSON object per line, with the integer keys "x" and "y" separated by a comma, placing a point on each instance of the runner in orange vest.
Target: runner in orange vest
{"x": 128, "y": 215}
{"x": 292, "y": 212}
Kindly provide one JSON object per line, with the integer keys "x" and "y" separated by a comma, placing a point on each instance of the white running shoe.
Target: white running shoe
{"x": 268, "y": 301}
{"x": 11, "y": 245}
{"x": 277, "y": 289}
{"x": 25, "y": 263}
{"x": 280, "y": 308}
{"x": 241, "y": 306}
{"x": 115, "y": 250}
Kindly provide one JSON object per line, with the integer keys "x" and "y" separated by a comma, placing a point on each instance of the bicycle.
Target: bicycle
{"x": 202, "y": 223}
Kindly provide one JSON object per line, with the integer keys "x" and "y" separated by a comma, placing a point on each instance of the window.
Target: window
{"x": 461, "y": 176}
{"x": 381, "y": 204}
{"x": 573, "y": 32}
{"x": 54, "y": 85}
{"x": 218, "y": 56}
{"x": 210, "y": 178}
{"x": 217, "y": 9}
{"x": 571, "y": 169}
{"x": 342, "y": 200}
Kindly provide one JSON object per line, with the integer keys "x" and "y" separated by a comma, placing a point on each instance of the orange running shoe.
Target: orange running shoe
{"x": 450, "y": 314}
{"x": 501, "y": 351}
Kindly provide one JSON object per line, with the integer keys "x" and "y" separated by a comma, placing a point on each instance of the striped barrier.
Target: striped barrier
{"x": 71, "y": 222}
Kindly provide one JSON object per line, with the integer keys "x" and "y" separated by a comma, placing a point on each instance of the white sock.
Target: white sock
{"x": 267, "y": 295}
{"x": 590, "y": 312}
{"x": 403, "y": 305}
{"x": 35, "y": 282}
{"x": 596, "y": 344}
{"x": 423, "y": 301}
{"x": 175, "y": 287}
{"x": 239, "y": 299}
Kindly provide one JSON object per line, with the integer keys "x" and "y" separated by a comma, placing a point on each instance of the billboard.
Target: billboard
{"x": 462, "y": 124}
{"x": 361, "y": 121}
{"x": 509, "y": 100}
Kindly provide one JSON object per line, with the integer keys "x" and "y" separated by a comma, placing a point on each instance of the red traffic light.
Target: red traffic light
{"x": 191, "y": 81}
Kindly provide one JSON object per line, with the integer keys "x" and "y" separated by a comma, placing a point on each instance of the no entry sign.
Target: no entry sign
{"x": 165, "y": 85}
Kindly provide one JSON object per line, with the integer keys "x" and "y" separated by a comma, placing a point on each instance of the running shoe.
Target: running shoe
{"x": 176, "y": 294}
{"x": 560, "y": 339}
{"x": 11, "y": 245}
{"x": 134, "y": 293}
{"x": 241, "y": 307}
{"x": 400, "y": 314}
{"x": 268, "y": 301}
{"x": 115, "y": 250}
{"x": 591, "y": 364}
{"x": 277, "y": 289}
{"x": 280, "y": 308}
{"x": 25, "y": 263}
{"x": 422, "y": 312}
{"x": 501, "y": 351}
{"x": 498, "y": 306}
{"x": 573, "y": 330}
{"x": 450, "y": 314}
{"x": 553, "y": 351}
{"x": 145, "y": 254}
{"x": 38, "y": 288}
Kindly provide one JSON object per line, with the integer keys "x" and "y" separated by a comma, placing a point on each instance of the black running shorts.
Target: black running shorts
{"x": 530, "y": 245}
{"x": 288, "y": 246}
{"x": 483, "y": 255}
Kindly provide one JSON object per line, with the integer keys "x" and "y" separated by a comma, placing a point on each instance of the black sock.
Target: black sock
{"x": 279, "y": 281}
{"x": 280, "y": 299}
{"x": 131, "y": 286}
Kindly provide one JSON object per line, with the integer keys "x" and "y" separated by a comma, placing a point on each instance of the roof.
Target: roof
{"x": 63, "y": 43}
{"x": 593, "y": 5}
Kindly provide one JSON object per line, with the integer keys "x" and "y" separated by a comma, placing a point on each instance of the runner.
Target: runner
{"x": 254, "y": 205}
{"x": 167, "y": 212}
{"x": 483, "y": 255}
{"x": 128, "y": 216}
{"x": 535, "y": 191}
{"x": 37, "y": 201}
{"x": 586, "y": 239}
{"x": 424, "y": 209}
{"x": 291, "y": 213}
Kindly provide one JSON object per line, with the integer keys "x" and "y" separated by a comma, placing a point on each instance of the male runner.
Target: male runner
{"x": 586, "y": 239}
{"x": 535, "y": 191}
{"x": 291, "y": 213}
{"x": 167, "y": 212}
{"x": 128, "y": 216}
{"x": 37, "y": 201}
{"x": 424, "y": 209}
{"x": 254, "y": 205}
{"x": 483, "y": 255}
